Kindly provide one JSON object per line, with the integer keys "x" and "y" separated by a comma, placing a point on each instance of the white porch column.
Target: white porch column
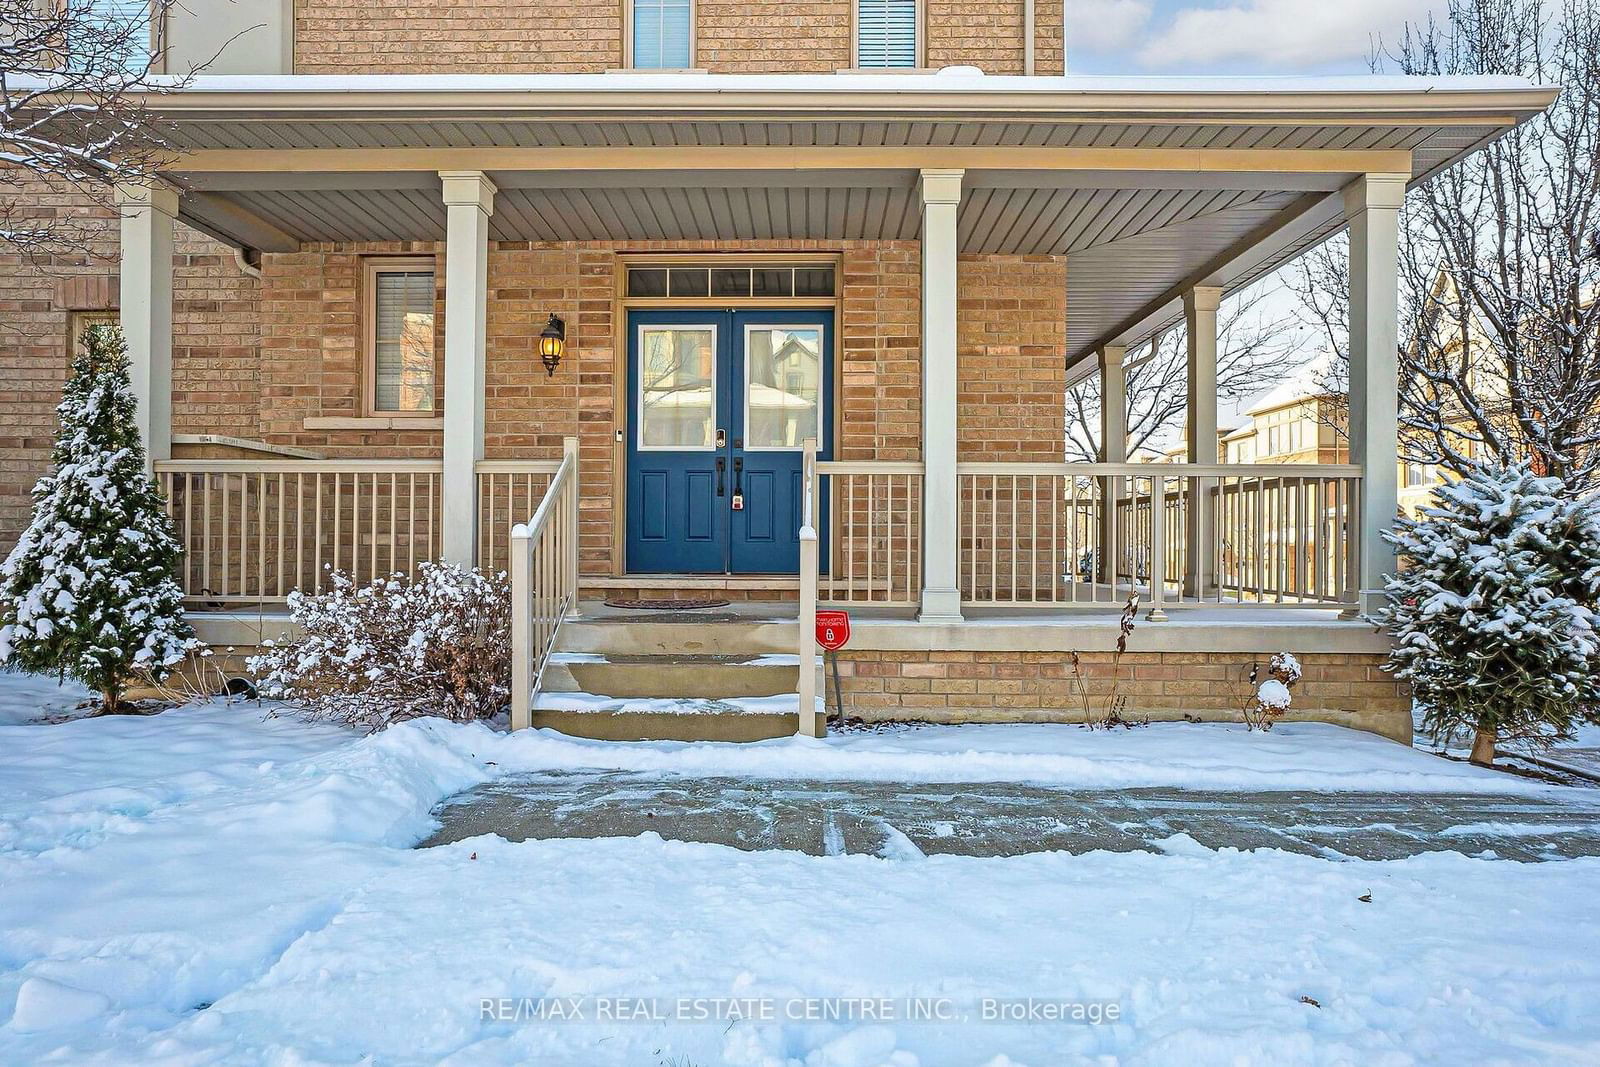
{"x": 941, "y": 491}
{"x": 1200, "y": 315}
{"x": 1113, "y": 449}
{"x": 147, "y": 213}
{"x": 469, "y": 201}
{"x": 1372, "y": 205}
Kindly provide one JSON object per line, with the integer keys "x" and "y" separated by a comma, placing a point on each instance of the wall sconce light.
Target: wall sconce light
{"x": 552, "y": 340}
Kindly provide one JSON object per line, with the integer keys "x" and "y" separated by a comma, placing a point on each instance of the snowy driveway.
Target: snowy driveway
{"x": 1011, "y": 819}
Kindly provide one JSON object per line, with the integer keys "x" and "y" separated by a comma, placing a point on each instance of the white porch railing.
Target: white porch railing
{"x": 508, "y": 491}
{"x": 874, "y": 525}
{"x": 544, "y": 582}
{"x": 253, "y": 530}
{"x": 1065, "y": 535}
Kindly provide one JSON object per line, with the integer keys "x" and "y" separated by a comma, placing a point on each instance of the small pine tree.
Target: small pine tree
{"x": 1494, "y": 611}
{"x": 89, "y": 591}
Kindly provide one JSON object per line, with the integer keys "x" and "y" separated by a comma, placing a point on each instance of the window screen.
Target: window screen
{"x": 886, "y": 33}
{"x": 661, "y": 32}
{"x": 402, "y": 339}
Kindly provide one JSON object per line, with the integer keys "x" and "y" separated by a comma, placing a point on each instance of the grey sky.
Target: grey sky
{"x": 1233, "y": 36}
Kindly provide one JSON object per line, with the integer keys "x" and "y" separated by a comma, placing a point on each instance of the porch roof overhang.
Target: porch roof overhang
{"x": 1147, "y": 185}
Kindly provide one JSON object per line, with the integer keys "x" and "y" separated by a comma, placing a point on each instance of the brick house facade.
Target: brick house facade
{"x": 991, "y": 232}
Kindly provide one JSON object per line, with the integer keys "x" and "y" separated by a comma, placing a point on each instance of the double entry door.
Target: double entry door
{"x": 720, "y": 403}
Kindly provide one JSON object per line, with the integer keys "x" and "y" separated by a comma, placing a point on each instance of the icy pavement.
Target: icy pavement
{"x": 1009, "y": 819}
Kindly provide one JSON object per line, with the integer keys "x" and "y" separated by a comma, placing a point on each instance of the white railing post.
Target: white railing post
{"x": 569, "y": 451}
{"x": 521, "y": 627}
{"x": 1158, "y": 548}
{"x": 808, "y": 591}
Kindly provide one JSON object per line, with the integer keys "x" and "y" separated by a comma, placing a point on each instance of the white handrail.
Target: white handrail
{"x": 544, "y": 582}
{"x": 808, "y": 591}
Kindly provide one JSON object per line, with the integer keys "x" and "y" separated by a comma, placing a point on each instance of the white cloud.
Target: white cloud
{"x": 1099, "y": 26}
{"x": 1279, "y": 34}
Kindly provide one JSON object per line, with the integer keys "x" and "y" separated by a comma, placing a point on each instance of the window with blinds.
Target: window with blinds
{"x": 120, "y": 31}
{"x": 886, "y": 33}
{"x": 401, "y": 309}
{"x": 662, "y": 34}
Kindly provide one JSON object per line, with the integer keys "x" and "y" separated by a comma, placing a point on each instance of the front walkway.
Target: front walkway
{"x": 899, "y": 821}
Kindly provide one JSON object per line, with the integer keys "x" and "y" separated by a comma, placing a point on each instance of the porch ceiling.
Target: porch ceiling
{"x": 1147, "y": 186}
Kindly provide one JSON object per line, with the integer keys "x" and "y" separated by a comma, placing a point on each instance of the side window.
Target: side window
{"x": 887, "y": 33}
{"x": 80, "y": 322}
{"x": 400, "y": 339}
{"x": 662, "y": 34}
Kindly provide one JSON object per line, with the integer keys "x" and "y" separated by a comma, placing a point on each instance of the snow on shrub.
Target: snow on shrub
{"x": 398, "y": 648}
{"x": 90, "y": 590}
{"x": 1494, "y": 608}
{"x": 1272, "y": 696}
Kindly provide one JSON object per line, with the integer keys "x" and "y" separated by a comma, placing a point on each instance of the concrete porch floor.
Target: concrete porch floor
{"x": 1042, "y": 629}
{"x": 904, "y": 821}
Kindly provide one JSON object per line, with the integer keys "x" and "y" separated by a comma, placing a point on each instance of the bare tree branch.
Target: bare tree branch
{"x": 74, "y": 79}
{"x": 1254, "y": 349}
{"x": 1499, "y": 257}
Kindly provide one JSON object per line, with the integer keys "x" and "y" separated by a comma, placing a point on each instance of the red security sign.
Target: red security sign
{"x": 833, "y": 629}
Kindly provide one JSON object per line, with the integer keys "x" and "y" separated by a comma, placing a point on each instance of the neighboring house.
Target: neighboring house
{"x": 894, "y": 226}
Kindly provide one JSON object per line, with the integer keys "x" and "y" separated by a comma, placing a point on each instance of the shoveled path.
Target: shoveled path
{"x": 1003, "y": 819}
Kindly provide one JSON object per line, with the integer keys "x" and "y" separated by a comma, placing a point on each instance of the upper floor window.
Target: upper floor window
{"x": 118, "y": 35}
{"x": 886, "y": 33}
{"x": 400, "y": 339}
{"x": 663, "y": 34}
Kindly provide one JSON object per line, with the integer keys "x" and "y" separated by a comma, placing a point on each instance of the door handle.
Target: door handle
{"x": 738, "y": 476}
{"x": 722, "y": 467}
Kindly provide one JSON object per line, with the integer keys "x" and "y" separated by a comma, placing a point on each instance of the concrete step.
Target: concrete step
{"x": 672, "y": 634}
{"x": 667, "y": 676}
{"x": 682, "y": 719}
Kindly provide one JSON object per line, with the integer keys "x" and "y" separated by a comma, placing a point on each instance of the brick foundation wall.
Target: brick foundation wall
{"x": 1350, "y": 689}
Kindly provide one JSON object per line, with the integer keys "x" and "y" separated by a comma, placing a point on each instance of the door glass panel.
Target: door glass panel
{"x": 677, "y": 387}
{"x": 783, "y": 384}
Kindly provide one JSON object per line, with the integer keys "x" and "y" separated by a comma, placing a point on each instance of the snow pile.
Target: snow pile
{"x": 1299, "y": 755}
{"x": 210, "y": 886}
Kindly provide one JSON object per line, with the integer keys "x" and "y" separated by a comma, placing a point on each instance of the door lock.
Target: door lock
{"x": 738, "y": 483}
{"x": 722, "y": 438}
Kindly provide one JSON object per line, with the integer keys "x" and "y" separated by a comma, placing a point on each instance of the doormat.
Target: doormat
{"x": 667, "y": 605}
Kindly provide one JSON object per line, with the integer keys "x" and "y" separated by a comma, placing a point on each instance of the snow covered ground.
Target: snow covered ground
{"x": 207, "y": 886}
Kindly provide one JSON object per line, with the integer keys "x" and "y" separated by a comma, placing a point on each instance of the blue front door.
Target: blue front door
{"x": 719, "y": 405}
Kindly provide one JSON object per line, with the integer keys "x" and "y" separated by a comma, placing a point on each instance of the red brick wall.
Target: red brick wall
{"x": 1012, "y": 353}
{"x": 258, "y": 359}
{"x": 215, "y": 317}
{"x": 773, "y": 35}
{"x": 547, "y": 36}
{"x": 312, "y": 356}
{"x": 477, "y": 36}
